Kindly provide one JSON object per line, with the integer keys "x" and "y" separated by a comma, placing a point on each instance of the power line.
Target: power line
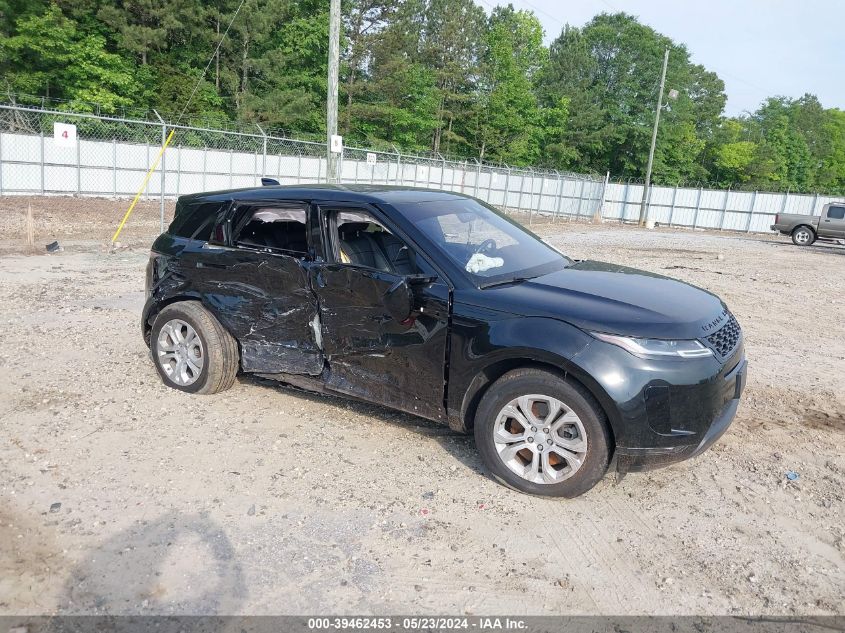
{"x": 210, "y": 59}
{"x": 546, "y": 13}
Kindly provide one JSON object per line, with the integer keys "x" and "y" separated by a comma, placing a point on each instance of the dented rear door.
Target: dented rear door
{"x": 264, "y": 300}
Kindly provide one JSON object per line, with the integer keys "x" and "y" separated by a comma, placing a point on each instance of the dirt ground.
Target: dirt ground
{"x": 119, "y": 495}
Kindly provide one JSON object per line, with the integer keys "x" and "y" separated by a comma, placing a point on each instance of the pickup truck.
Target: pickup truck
{"x": 806, "y": 229}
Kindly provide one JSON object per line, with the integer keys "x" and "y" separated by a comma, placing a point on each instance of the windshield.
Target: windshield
{"x": 491, "y": 248}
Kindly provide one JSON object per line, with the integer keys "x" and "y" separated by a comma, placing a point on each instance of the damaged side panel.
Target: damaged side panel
{"x": 373, "y": 356}
{"x": 264, "y": 300}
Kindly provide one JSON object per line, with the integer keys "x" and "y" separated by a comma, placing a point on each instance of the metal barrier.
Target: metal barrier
{"x": 111, "y": 155}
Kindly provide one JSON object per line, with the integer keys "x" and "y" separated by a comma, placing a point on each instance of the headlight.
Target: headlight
{"x": 655, "y": 347}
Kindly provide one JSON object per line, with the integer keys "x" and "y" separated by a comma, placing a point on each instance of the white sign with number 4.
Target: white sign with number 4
{"x": 64, "y": 134}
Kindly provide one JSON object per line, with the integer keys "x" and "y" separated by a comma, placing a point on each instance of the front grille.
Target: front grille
{"x": 725, "y": 340}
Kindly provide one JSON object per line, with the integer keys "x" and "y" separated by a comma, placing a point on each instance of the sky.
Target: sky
{"x": 759, "y": 48}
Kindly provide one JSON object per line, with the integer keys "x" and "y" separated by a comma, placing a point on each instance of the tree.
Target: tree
{"x": 424, "y": 75}
{"x": 12, "y": 11}
{"x": 729, "y": 154}
{"x": 508, "y": 113}
{"x": 451, "y": 38}
{"x": 140, "y": 26}
{"x": 399, "y": 102}
{"x": 364, "y": 22}
{"x": 610, "y": 71}
{"x": 288, "y": 64}
{"x": 68, "y": 65}
{"x": 396, "y": 102}
{"x": 830, "y": 175}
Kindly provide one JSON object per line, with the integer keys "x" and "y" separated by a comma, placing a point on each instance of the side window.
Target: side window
{"x": 836, "y": 213}
{"x": 195, "y": 221}
{"x": 279, "y": 229}
{"x": 364, "y": 241}
{"x": 204, "y": 232}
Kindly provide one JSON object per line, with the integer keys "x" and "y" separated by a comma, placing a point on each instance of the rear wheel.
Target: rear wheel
{"x": 192, "y": 351}
{"x": 542, "y": 435}
{"x": 803, "y": 236}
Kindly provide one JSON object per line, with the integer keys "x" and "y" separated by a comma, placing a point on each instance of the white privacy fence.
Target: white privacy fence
{"x": 110, "y": 157}
{"x": 709, "y": 208}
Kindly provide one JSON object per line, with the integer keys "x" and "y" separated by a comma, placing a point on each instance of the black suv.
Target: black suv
{"x": 433, "y": 303}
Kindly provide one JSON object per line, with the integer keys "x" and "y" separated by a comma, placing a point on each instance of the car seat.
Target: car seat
{"x": 399, "y": 257}
{"x": 360, "y": 247}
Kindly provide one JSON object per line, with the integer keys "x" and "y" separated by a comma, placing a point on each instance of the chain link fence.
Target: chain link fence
{"x": 111, "y": 156}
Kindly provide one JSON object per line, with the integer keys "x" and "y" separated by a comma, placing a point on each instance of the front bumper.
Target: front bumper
{"x": 634, "y": 459}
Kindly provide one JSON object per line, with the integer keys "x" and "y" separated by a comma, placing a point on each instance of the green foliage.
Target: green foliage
{"x": 68, "y": 64}
{"x": 785, "y": 145}
{"x": 423, "y": 75}
{"x": 509, "y": 117}
{"x": 733, "y": 161}
{"x": 610, "y": 72}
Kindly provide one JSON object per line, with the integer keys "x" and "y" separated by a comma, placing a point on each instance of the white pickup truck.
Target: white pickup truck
{"x": 806, "y": 229}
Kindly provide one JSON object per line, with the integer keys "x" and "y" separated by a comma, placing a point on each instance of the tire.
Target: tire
{"x": 579, "y": 418}
{"x": 204, "y": 364}
{"x": 803, "y": 236}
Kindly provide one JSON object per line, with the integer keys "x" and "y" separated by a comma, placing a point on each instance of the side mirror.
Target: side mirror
{"x": 398, "y": 300}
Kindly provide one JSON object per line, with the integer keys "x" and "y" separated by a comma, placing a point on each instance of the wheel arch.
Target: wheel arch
{"x": 804, "y": 226}
{"x": 566, "y": 370}
{"x": 153, "y": 310}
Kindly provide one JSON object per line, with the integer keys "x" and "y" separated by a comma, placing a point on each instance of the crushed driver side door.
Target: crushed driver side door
{"x": 370, "y": 354}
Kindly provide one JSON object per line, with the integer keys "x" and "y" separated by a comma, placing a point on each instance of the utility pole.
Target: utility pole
{"x": 331, "y": 105}
{"x": 653, "y": 140}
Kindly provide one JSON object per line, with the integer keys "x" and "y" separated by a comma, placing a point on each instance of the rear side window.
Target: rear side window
{"x": 280, "y": 228}
{"x": 836, "y": 213}
{"x": 195, "y": 221}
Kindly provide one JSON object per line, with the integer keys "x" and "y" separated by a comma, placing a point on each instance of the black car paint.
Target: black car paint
{"x": 459, "y": 338}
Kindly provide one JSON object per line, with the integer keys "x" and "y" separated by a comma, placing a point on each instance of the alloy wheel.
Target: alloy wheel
{"x": 540, "y": 439}
{"x": 180, "y": 352}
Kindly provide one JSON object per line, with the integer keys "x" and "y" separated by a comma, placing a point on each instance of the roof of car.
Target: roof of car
{"x": 339, "y": 193}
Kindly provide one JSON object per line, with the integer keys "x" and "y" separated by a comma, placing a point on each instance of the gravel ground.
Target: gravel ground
{"x": 119, "y": 495}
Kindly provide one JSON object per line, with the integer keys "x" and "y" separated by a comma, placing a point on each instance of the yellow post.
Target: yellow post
{"x": 143, "y": 186}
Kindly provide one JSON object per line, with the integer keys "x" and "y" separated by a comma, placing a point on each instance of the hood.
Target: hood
{"x": 614, "y": 299}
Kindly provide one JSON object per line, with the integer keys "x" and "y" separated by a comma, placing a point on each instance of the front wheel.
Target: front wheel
{"x": 803, "y": 236}
{"x": 542, "y": 435}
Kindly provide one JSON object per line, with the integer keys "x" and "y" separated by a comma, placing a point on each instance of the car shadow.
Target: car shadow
{"x": 817, "y": 248}
{"x": 461, "y": 446}
{"x": 177, "y": 563}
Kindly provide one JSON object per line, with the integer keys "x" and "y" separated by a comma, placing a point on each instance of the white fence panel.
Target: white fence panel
{"x": 204, "y": 160}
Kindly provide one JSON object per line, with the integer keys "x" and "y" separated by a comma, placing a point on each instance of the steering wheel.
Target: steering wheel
{"x": 486, "y": 246}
